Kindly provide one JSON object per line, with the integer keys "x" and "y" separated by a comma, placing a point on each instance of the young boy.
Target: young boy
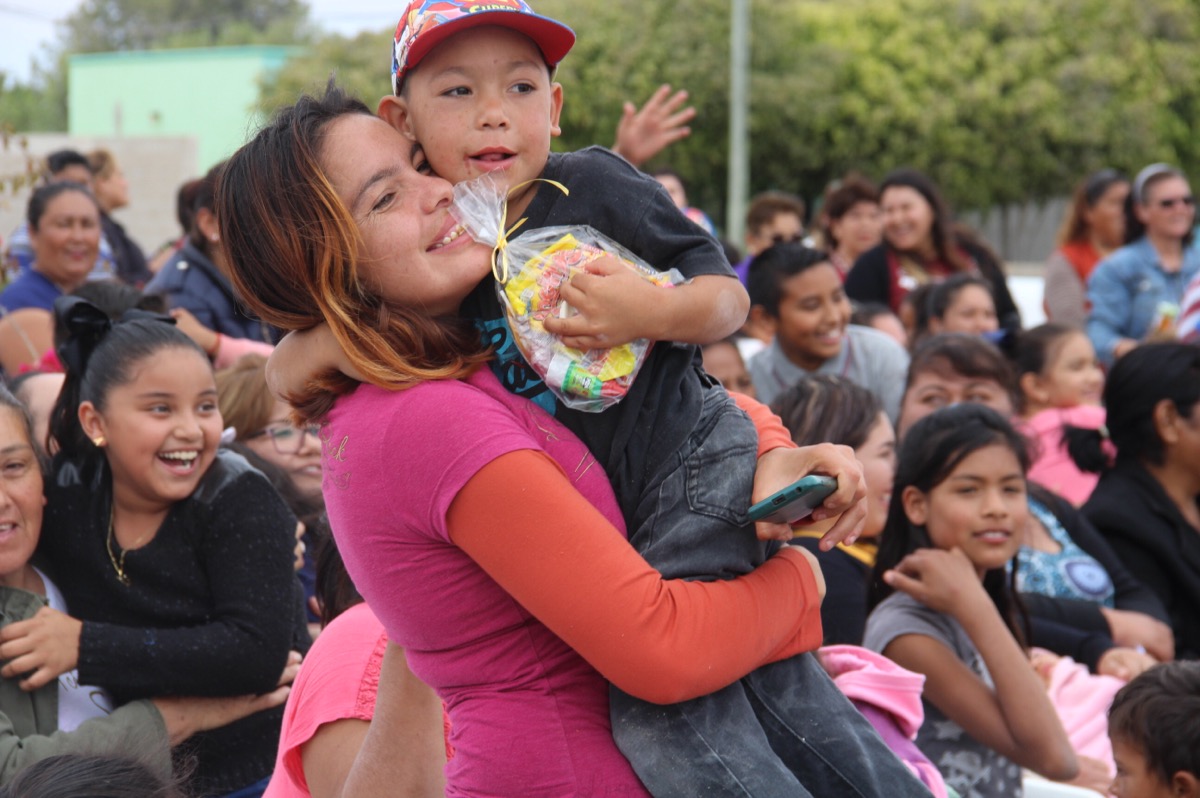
{"x": 1154, "y": 725}
{"x": 797, "y": 294}
{"x": 473, "y": 90}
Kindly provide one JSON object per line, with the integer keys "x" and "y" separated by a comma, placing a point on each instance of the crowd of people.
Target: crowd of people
{"x": 289, "y": 508}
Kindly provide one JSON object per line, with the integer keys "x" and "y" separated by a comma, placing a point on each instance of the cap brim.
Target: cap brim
{"x": 553, "y": 38}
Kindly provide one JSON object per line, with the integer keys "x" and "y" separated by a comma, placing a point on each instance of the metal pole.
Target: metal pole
{"x": 738, "y": 187}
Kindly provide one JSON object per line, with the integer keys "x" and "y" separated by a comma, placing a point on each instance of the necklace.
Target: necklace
{"x": 118, "y": 563}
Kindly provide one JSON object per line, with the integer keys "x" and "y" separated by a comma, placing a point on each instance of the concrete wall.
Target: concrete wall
{"x": 206, "y": 93}
{"x": 155, "y": 167}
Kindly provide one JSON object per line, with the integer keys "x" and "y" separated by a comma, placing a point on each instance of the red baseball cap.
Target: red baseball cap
{"x": 428, "y": 22}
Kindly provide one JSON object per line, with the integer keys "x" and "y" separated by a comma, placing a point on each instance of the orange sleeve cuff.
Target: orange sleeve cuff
{"x": 771, "y": 432}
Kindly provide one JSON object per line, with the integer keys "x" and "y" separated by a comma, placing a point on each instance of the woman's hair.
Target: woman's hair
{"x": 245, "y": 400}
{"x": 114, "y": 298}
{"x": 1158, "y": 714}
{"x": 840, "y": 199}
{"x": 59, "y": 160}
{"x": 928, "y": 455}
{"x": 1137, "y": 383}
{"x": 90, "y": 776}
{"x": 203, "y": 195}
{"x": 962, "y": 355}
{"x": 99, "y": 355}
{"x": 185, "y": 204}
{"x": 9, "y": 400}
{"x": 294, "y": 250}
{"x": 943, "y": 294}
{"x": 775, "y": 265}
{"x": 827, "y": 408}
{"x": 1152, "y": 174}
{"x": 766, "y": 206}
{"x": 102, "y": 162}
{"x": 1089, "y": 192}
{"x": 943, "y": 230}
{"x": 82, "y": 775}
{"x": 42, "y": 196}
{"x": 334, "y": 589}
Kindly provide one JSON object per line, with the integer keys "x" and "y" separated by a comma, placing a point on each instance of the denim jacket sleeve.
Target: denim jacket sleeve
{"x": 1112, "y": 304}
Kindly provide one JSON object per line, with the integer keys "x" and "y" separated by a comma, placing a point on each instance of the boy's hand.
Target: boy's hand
{"x": 613, "y": 306}
{"x": 302, "y": 355}
{"x": 781, "y": 467}
{"x": 645, "y": 132}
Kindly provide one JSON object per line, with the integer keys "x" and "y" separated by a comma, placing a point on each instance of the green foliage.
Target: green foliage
{"x": 108, "y": 25}
{"x": 360, "y": 64}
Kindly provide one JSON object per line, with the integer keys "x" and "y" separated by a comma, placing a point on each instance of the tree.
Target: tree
{"x": 359, "y": 64}
{"x": 998, "y": 100}
{"x": 113, "y": 25}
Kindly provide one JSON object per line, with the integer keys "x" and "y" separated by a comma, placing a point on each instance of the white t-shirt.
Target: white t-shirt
{"x": 76, "y": 702}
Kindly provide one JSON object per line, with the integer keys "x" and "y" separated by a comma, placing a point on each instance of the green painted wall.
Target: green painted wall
{"x": 207, "y": 93}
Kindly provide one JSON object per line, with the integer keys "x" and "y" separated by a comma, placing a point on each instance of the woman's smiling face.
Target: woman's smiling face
{"x": 414, "y": 253}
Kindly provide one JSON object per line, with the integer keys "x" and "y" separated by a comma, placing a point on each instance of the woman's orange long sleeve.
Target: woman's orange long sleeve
{"x": 660, "y": 640}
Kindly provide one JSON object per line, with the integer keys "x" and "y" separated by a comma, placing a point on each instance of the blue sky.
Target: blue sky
{"x": 25, "y": 25}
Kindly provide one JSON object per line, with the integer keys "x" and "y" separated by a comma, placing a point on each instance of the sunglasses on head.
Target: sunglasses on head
{"x": 1171, "y": 202}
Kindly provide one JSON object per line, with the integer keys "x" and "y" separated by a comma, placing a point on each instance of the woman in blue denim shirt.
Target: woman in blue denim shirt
{"x": 1136, "y": 291}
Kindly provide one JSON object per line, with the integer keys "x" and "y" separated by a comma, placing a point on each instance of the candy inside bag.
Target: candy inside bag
{"x": 530, "y": 271}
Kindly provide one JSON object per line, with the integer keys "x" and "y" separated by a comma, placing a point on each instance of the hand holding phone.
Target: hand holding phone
{"x": 795, "y": 502}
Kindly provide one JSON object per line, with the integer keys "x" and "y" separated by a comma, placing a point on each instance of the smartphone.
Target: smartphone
{"x": 794, "y": 502}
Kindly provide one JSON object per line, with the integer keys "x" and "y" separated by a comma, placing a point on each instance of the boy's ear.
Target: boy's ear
{"x": 916, "y": 507}
{"x": 556, "y": 104}
{"x": 1185, "y": 785}
{"x": 1166, "y": 419}
{"x": 394, "y": 111}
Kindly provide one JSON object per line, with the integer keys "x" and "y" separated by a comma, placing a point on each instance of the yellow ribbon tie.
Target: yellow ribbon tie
{"x": 500, "y": 251}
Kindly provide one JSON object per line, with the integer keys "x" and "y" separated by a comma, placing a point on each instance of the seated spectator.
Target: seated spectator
{"x": 1154, "y": 724}
{"x": 1145, "y": 504}
{"x": 1093, "y": 227}
{"x": 333, "y": 699}
{"x": 61, "y": 166}
{"x": 962, "y": 303}
{"x": 880, "y": 317}
{"x": 954, "y": 369}
{"x": 943, "y": 606}
{"x": 185, "y": 198}
{"x": 112, "y": 193}
{"x": 64, "y": 715}
{"x": 196, "y": 279}
{"x": 851, "y": 221}
{"x": 796, "y": 294}
{"x": 830, "y": 409}
{"x": 1060, "y": 384}
{"x": 64, "y": 230}
{"x": 1136, "y": 292}
{"x": 154, "y": 534}
{"x": 922, "y": 244}
{"x": 723, "y": 360}
{"x": 262, "y": 428}
{"x": 774, "y": 217}
{"x": 673, "y": 183}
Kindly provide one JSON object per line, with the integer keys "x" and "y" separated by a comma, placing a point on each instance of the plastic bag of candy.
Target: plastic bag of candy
{"x": 530, "y": 270}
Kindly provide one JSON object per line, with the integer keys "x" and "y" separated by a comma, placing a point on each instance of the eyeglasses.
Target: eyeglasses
{"x": 1171, "y": 202}
{"x": 288, "y": 439}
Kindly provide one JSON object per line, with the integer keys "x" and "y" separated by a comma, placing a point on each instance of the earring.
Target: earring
{"x": 214, "y": 238}
{"x": 99, "y": 441}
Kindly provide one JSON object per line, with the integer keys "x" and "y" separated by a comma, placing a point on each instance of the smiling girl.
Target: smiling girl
{"x": 1060, "y": 384}
{"x": 177, "y": 558}
{"x": 944, "y": 606}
